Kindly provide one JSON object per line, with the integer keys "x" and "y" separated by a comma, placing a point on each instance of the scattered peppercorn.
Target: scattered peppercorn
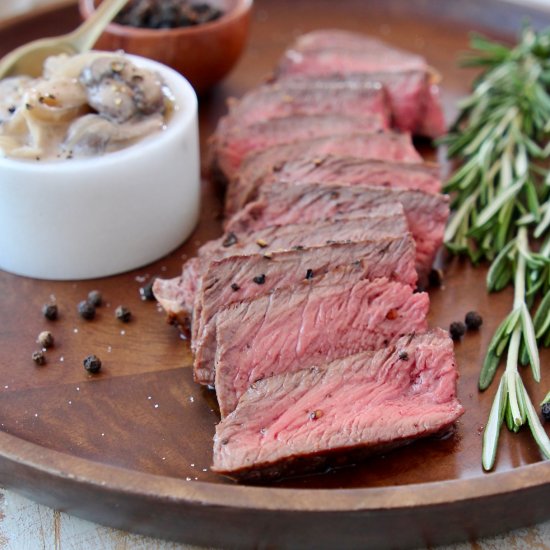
{"x": 435, "y": 278}
{"x": 39, "y": 358}
{"x": 92, "y": 364}
{"x": 45, "y": 339}
{"x": 86, "y": 310}
{"x": 457, "y": 330}
{"x": 403, "y": 355}
{"x": 146, "y": 291}
{"x": 260, "y": 279}
{"x": 545, "y": 410}
{"x": 229, "y": 240}
{"x": 50, "y": 311}
{"x": 235, "y": 287}
{"x": 123, "y": 314}
{"x": 95, "y": 298}
{"x": 473, "y": 320}
{"x": 309, "y": 274}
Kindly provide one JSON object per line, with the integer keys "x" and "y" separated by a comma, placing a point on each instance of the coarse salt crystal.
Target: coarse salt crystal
{"x": 156, "y": 405}
{"x": 192, "y": 399}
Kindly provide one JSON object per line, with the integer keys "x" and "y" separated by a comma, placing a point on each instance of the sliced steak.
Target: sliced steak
{"x": 341, "y": 413}
{"x": 177, "y": 295}
{"x": 233, "y": 140}
{"x": 340, "y": 170}
{"x": 316, "y": 321}
{"x": 388, "y": 146}
{"x": 284, "y": 202}
{"x": 410, "y": 93}
{"x": 238, "y": 278}
{"x": 341, "y": 40}
{"x": 276, "y": 101}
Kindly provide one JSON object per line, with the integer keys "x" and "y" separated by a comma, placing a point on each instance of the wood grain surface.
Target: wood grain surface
{"x": 132, "y": 446}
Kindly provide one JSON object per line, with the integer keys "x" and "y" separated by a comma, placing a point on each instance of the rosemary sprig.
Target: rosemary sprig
{"x": 501, "y": 199}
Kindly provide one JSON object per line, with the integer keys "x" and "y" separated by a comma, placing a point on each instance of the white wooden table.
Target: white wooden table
{"x": 25, "y": 525}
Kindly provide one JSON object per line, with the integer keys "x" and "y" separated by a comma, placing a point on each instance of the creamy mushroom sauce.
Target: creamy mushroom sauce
{"x": 83, "y": 105}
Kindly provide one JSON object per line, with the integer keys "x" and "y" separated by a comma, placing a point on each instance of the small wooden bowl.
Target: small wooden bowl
{"x": 204, "y": 54}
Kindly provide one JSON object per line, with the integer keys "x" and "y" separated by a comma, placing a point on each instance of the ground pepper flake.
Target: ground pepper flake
{"x": 403, "y": 355}
{"x": 260, "y": 279}
{"x": 230, "y": 240}
{"x": 146, "y": 292}
{"x": 309, "y": 274}
{"x": 235, "y": 287}
{"x": 315, "y": 415}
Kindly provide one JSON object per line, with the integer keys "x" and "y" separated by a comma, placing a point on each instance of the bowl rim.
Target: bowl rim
{"x": 242, "y": 7}
{"x": 182, "y": 116}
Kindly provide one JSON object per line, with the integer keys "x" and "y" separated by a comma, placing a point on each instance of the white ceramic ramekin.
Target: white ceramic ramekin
{"x": 88, "y": 218}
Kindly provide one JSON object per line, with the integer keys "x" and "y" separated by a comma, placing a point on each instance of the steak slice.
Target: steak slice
{"x": 236, "y": 278}
{"x": 410, "y": 93}
{"x": 387, "y": 146}
{"x": 341, "y": 170}
{"x": 285, "y": 202}
{"x": 316, "y": 321}
{"x": 233, "y": 140}
{"x": 271, "y": 101}
{"x": 342, "y": 412}
{"x": 342, "y": 40}
{"x": 177, "y": 295}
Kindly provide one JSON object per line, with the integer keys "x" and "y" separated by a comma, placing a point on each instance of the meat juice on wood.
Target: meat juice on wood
{"x": 82, "y": 106}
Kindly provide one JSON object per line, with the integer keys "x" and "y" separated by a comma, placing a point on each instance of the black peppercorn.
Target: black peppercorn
{"x": 473, "y": 320}
{"x": 39, "y": 358}
{"x": 260, "y": 279}
{"x": 309, "y": 274}
{"x": 457, "y": 330}
{"x": 146, "y": 292}
{"x": 229, "y": 240}
{"x": 45, "y": 339}
{"x": 95, "y": 298}
{"x": 50, "y": 311}
{"x": 123, "y": 314}
{"x": 545, "y": 410}
{"x": 403, "y": 355}
{"x": 235, "y": 287}
{"x": 86, "y": 310}
{"x": 92, "y": 364}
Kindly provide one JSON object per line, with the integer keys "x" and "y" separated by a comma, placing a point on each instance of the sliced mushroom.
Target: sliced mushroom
{"x": 118, "y": 90}
{"x": 94, "y": 134}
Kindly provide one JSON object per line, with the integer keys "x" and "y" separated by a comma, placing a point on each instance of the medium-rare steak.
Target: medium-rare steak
{"x": 285, "y": 202}
{"x": 233, "y": 140}
{"x": 177, "y": 295}
{"x": 338, "y": 39}
{"x": 412, "y": 92}
{"x": 342, "y": 412}
{"x": 276, "y": 101}
{"x": 340, "y": 170}
{"x": 316, "y": 321}
{"x": 388, "y": 146}
{"x": 409, "y": 93}
{"x": 238, "y": 278}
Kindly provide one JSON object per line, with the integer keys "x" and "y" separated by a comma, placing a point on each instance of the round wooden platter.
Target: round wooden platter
{"x": 131, "y": 448}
